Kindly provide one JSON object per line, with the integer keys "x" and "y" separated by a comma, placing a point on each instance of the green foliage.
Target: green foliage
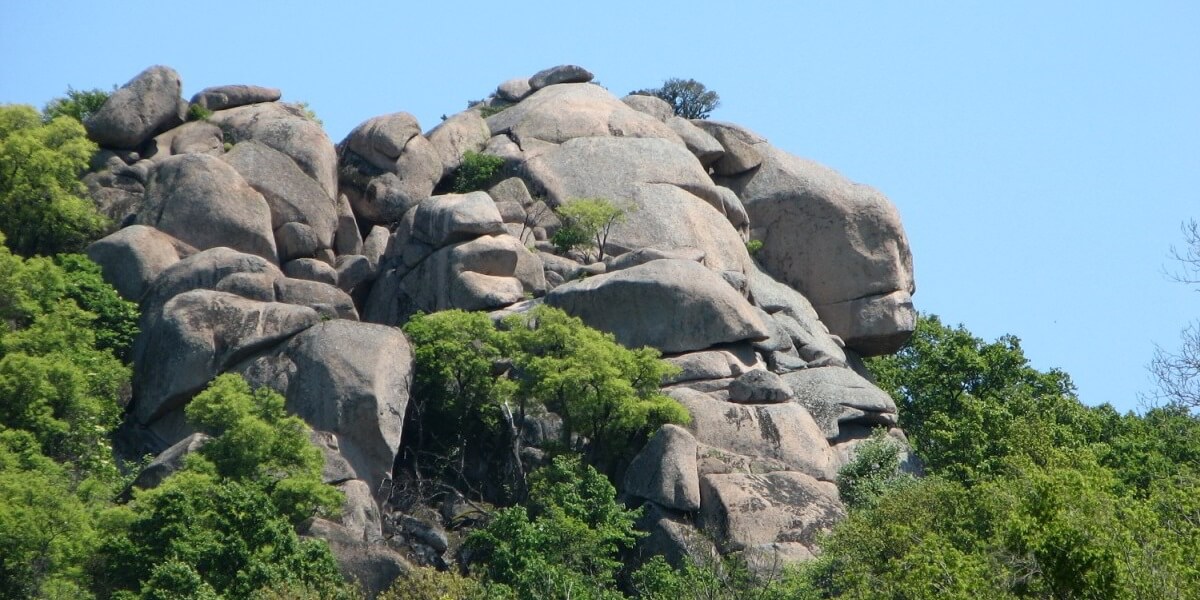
{"x": 468, "y": 372}
{"x": 42, "y": 204}
{"x": 689, "y": 98}
{"x": 78, "y": 104}
{"x": 255, "y": 440}
{"x": 57, "y": 382}
{"x": 476, "y": 172}
{"x": 606, "y": 393}
{"x": 492, "y": 109}
{"x": 567, "y": 545}
{"x": 223, "y": 527}
{"x": 307, "y": 112}
{"x": 587, "y": 223}
{"x": 46, "y": 529}
{"x": 116, "y": 323}
{"x": 872, "y": 472}
{"x": 197, "y": 112}
{"x": 967, "y": 405}
{"x": 424, "y": 583}
{"x": 753, "y": 246}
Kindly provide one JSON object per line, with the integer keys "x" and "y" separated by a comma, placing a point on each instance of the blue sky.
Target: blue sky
{"x": 1042, "y": 155}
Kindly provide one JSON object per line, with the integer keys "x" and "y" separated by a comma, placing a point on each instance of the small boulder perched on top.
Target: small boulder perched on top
{"x": 148, "y": 104}
{"x": 379, "y": 140}
{"x": 229, "y": 96}
{"x": 559, "y": 74}
{"x": 672, "y": 305}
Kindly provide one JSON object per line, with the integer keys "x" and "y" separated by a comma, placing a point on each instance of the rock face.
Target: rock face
{"x": 148, "y": 104}
{"x": 854, "y": 264}
{"x": 672, "y": 305}
{"x": 253, "y": 245}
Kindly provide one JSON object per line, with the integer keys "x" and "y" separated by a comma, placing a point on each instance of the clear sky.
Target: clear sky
{"x": 1042, "y": 154}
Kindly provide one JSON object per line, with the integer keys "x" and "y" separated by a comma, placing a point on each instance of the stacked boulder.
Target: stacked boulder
{"x": 254, "y": 244}
{"x": 242, "y": 260}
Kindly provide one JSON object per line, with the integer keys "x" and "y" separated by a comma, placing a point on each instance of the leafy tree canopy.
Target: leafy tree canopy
{"x": 689, "y": 98}
{"x": 42, "y": 205}
{"x": 77, "y": 104}
{"x": 587, "y": 223}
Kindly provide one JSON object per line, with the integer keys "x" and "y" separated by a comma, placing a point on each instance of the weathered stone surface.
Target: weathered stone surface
{"x": 672, "y": 536}
{"x": 251, "y": 286}
{"x": 853, "y": 246}
{"x": 480, "y": 274}
{"x": 664, "y": 471}
{"x": 292, "y": 195}
{"x": 705, "y": 147}
{"x": 670, "y": 195}
{"x": 310, "y": 269}
{"x": 203, "y": 271}
{"x": 131, "y": 258}
{"x": 296, "y": 240}
{"x": 148, "y": 104}
{"x": 792, "y": 311}
{"x": 360, "y": 512}
{"x": 713, "y": 460}
{"x": 782, "y": 432}
{"x": 198, "y": 335}
{"x": 353, "y": 270}
{"x": 285, "y": 128}
{"x": 347, "y": 239}
{"x": 329, "y": 301}
{"x": 873, "y": 325}
{"x": 170, "y": 461}
{"x": 373, "y": 566}
{"x": 642, "y": 256}
{"x": 741, "y": 153}
{"x": 443, "y": 220}
{"x": 559, "y": 74}
{"x": 452, "y": 138}
{"x": 651, "y": 105}
{"x": 204, "y": 202}
{"x": 759, "y": 387}
{"x": 837, "y": 395}
{"x": 380, "y": 140}
{"x": 335, "y": 468}
{"x": 196, "y": 137}
{"x": 514, "y": 90}
{"x": 229, "y": 96}
{"x": 376, "y": 244}
{"x": 743, "y": 511}
{"x": 562, "y": 112}
{"x": 672, "y": 305}
{"x": 726, "y": 362}
{"x": 348, "y": 378}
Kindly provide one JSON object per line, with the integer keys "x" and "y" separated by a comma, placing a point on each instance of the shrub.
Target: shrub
{"x": 43, "y": 208}
{"x": 198, "y": 113}
{"x": 753, "y": 246}
{"x": 477, "y": 172}
{"x": 587, "y": 223}
{"x": 689, "y": 98}
{"x": 78, "y": 104}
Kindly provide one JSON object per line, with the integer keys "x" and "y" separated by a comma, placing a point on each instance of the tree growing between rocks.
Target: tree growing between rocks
{"x": 42, "y": 205}
{"x": 77, "y": 104}
{"x": 689, "y": 98}
{"x": 587, "y": 223}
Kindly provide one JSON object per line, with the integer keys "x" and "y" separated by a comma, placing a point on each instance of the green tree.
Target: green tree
{"x": 42, "y": 205}
{"x": 226, "y": 521}
{"x": 567, "y": 545}
{"x": 587, "y": 223}
{"x": 689, "y": 98}
{"x": 77, "y": 104}
{"x": 874, "y": 470}
{"x": 967, "y": 405}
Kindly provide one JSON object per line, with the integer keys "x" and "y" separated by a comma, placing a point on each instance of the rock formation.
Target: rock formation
{"x": 253, "y": 245}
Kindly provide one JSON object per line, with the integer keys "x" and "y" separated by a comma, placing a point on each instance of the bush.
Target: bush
{"x": 477, "y": 172}
{"x": 753, "y": 246}
{"x": 587, "y": 223}
{"x": 689, "y": 98}
{"x": 43, "y": 209}
{"x": 198, "y": 113}
{"x": 78, "y": 104}
{"x": 873, "y": 470}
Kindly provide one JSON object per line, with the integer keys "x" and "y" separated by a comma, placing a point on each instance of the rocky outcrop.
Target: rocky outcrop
{"x": 253, "y": 245}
